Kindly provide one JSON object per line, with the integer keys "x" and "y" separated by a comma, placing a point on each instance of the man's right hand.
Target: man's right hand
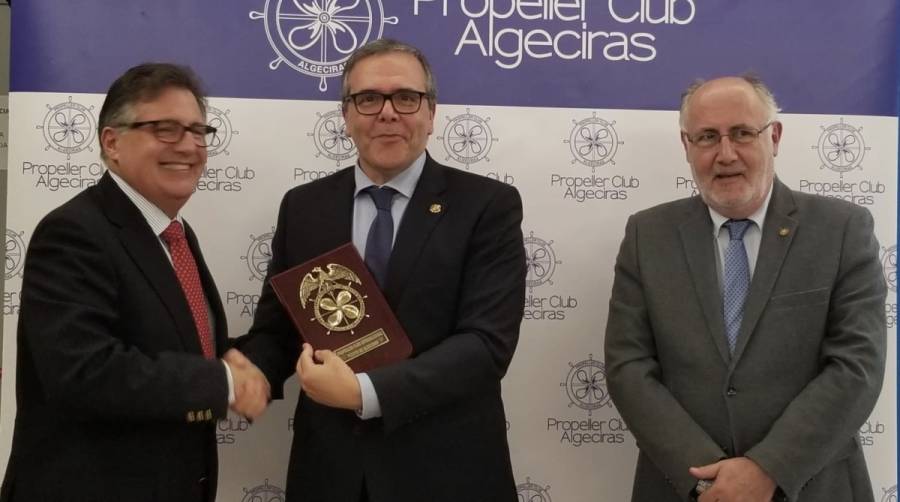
{"x": 251, "y": 389}
{"x": 737, "y": 479}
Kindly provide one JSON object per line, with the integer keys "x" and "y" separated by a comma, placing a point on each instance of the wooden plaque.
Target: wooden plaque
{"x": 336, "y": 304}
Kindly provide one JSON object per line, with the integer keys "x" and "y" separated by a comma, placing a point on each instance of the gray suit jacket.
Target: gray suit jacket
{"x": 809, "y": 360}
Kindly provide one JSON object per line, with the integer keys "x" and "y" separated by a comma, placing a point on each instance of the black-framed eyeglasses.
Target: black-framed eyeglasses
{"x": 371, "y": 103}
{"x": 171, "y": 131}
{"x": 740, "y": 135}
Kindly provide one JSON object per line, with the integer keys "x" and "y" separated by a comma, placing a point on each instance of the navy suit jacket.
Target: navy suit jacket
{"x": 456, "y": 281}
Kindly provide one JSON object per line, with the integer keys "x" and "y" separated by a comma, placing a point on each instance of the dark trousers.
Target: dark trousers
{"x": 364, "y": 493}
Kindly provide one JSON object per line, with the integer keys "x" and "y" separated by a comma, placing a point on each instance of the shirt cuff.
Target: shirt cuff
{"x": 371, "y": 408}
{"x": 230, "y": 383}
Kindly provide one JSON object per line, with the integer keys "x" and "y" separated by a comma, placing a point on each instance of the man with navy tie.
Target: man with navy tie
{"x": 446, "y": 249}
{"x": 745, "y": 344}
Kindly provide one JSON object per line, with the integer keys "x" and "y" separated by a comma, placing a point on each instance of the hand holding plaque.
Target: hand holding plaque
{"x": 336, "y": 304}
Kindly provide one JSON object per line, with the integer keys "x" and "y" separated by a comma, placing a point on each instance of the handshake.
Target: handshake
{"x": 324, "y": 377}
{"x": 251, "y": 389}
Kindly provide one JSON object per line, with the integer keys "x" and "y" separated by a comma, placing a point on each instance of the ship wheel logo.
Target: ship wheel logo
{"x": 586, "y": 385}
{"x": 540, "y": 260}
{"x": 531, "y": 492}
{"x": 259, "y": 254}
{"x": 336, "y": 304}
{"x": 224, "y": 131}
{"x": 263, "y": 493}
{"x": 330, "y": 137}
{"x": 15, "y": 254}
{"x": 468, "y": 138}
{"x": 593, "y": 142}
{"x": 841, "y": 147}
{"x": 889, "y": 265}
{"x": 315, "y": 37}
{"x": 69, "y": 127}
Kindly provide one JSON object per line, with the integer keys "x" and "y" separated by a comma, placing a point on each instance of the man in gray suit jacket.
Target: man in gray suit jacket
{"x": 749, "y": 393}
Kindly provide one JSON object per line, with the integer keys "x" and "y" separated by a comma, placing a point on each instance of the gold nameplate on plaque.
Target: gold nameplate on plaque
{"x": 362, "y": 346}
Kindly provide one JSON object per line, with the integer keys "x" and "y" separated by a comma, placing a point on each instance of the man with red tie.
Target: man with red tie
{"x": 118, "y": 376}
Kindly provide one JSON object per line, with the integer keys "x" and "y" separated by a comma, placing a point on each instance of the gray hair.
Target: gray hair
{"x": 761, "y": 89}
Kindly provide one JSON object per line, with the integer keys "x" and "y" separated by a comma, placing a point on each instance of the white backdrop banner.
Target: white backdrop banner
{"x": 573, "y": 102}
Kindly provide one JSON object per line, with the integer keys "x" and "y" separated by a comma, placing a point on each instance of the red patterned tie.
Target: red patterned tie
{"x": 186, "y": 270}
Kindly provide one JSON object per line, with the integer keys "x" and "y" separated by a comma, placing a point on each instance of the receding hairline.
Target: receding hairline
{"x": 762, "y": 91}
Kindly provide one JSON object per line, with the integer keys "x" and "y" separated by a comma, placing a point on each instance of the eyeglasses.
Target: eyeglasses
{"x": 171, "y": 131}
{"x": 740, "y": 135}
{"x": 371, "y": 103}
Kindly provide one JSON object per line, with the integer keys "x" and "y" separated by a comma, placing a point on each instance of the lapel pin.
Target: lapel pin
{"x": 435, "y": 208}
{"x": 784, "y": 231}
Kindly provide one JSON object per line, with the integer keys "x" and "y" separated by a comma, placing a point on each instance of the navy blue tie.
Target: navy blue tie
{"x": 381, "y": 233}
{"x": 736, "y": 282}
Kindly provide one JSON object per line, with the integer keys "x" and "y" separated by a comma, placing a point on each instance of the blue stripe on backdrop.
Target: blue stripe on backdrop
{"x": 532, "y": 55}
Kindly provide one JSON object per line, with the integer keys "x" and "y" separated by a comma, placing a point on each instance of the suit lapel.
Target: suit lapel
{"x": 426, "y": 208}
{"x": 336, "y": 210}
{"x": 699, "y": 251}
{"x": 773, "y": 248}
{"x": 146, "y": 251}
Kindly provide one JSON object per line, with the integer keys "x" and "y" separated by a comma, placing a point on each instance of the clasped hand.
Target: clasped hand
{"x": 735, "y": 480}
{"x": 251, "y": 389}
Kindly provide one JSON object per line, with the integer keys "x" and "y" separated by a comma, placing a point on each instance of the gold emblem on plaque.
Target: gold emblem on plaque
{"x": 335, "y": 303}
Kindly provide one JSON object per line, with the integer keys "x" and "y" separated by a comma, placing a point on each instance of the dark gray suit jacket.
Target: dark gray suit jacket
{"x": 809, "y": 361}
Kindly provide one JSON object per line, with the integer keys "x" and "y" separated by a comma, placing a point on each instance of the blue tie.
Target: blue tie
{"x": 737, "y": 280}
{"x": 381, "y": 233}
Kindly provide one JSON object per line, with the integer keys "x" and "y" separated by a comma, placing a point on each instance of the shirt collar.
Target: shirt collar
{"x": 758, "y": 216}
{"x": 404, "y": 183}
{"x": 156, "y": 218}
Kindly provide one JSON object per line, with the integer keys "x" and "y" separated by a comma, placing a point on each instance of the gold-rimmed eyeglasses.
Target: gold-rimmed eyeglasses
{"x": 741, "y": 135}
